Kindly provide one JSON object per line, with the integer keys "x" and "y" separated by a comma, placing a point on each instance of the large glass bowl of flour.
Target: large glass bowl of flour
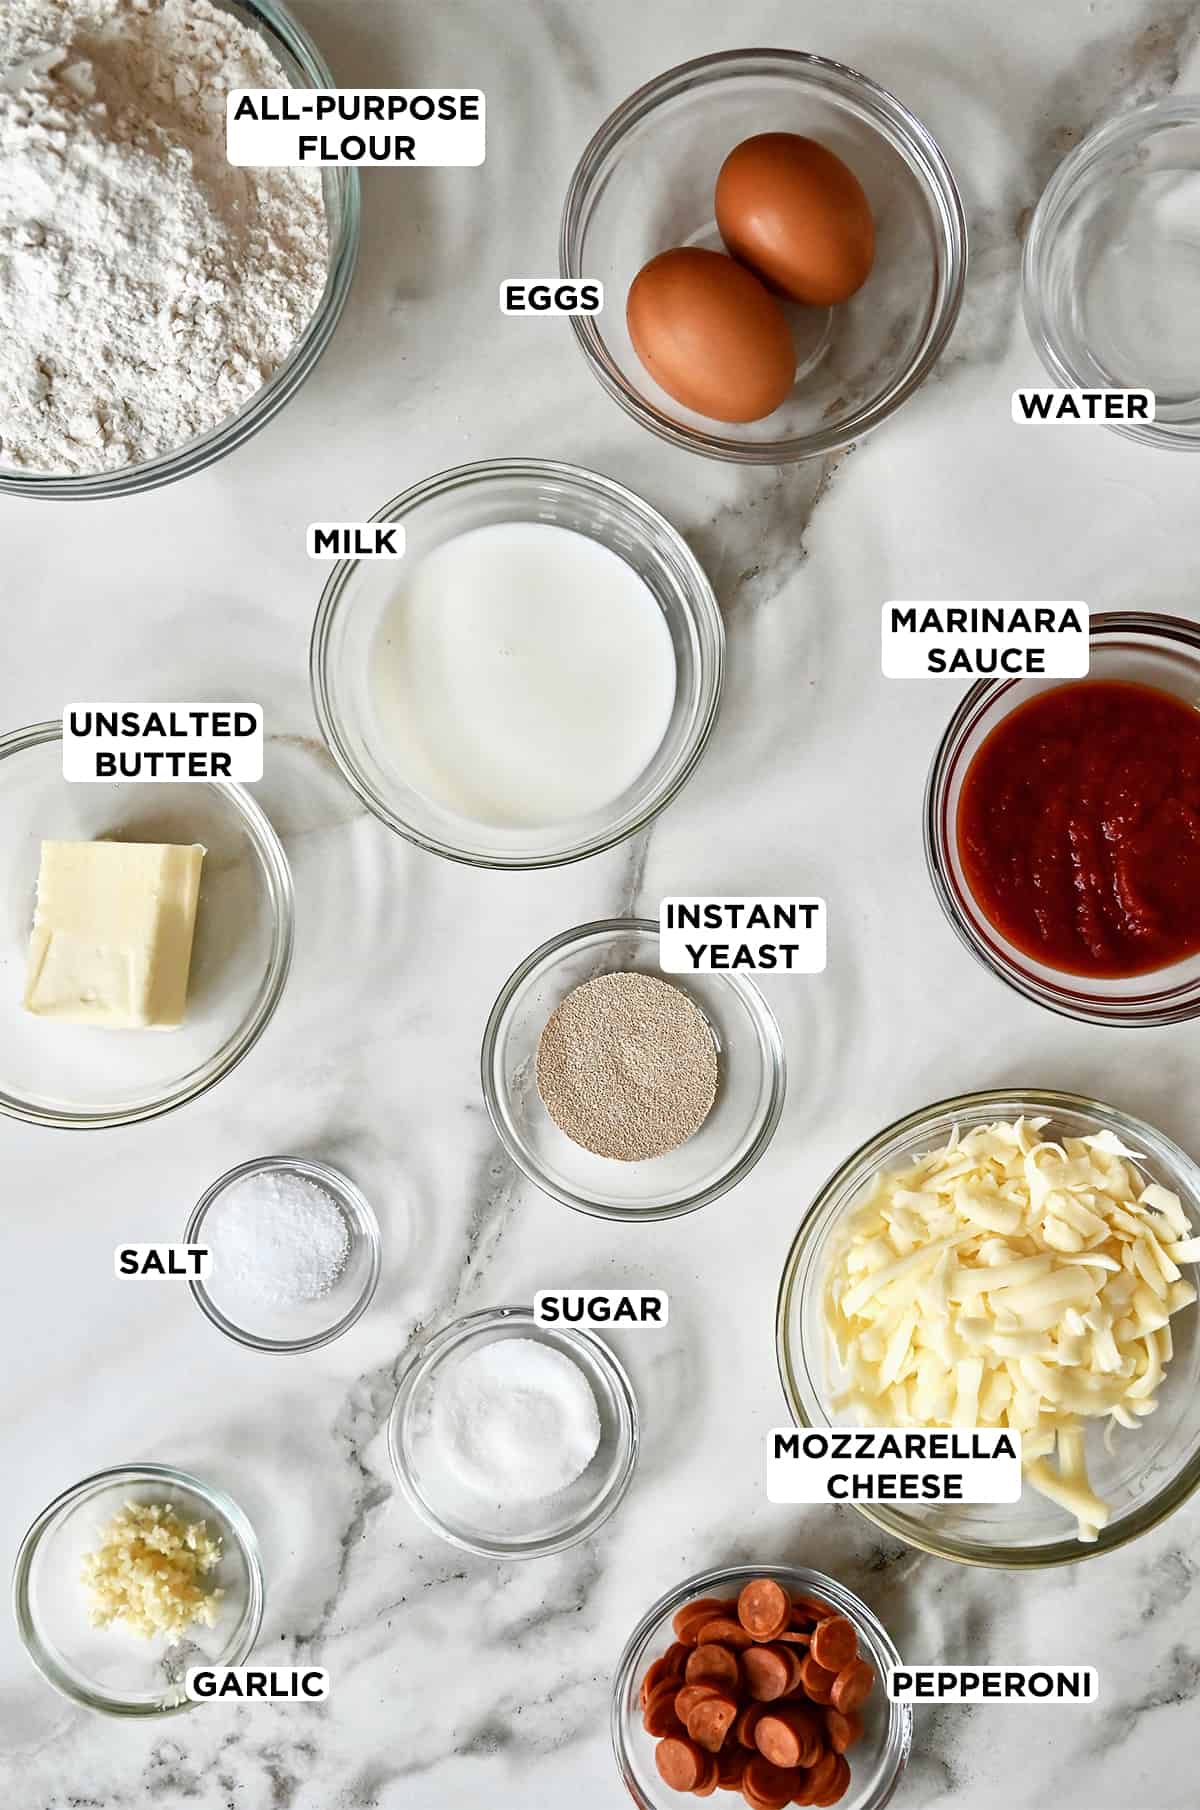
{"x": 533, "y": 680}
{"x": 301, "y": 64}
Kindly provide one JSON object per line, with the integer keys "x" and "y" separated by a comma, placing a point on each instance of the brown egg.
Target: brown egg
{"x": 710, "y": 335}
{"x": 797, "y": 216}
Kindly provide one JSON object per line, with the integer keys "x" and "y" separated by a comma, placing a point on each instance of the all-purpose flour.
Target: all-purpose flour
{"x": 147, "y": 288}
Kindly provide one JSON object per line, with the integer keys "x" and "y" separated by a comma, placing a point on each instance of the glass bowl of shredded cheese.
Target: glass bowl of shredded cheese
{"x": 1022, "y": 1261}
{"x": 129, "y": 1579}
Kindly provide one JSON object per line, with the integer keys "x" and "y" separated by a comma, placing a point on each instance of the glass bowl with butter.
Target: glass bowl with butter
{"x": 114, "y": 1005}
{"x": 98, "y": 1628}
{"x": 1067, "y": 1327}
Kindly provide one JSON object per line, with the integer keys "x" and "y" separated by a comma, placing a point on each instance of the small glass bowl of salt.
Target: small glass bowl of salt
{"x": 510, "y": 1438}
{"x": 295, "y": 1253}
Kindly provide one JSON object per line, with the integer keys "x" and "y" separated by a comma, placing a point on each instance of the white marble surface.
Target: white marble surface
{"x": 458, "y": 1682}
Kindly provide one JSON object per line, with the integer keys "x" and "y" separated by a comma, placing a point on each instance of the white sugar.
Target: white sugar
{"x": 278, "y": 1238}
{"x": 516, "y": 1420}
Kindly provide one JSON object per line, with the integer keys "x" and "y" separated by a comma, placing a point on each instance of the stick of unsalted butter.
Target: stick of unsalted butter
{"x": 112, "y": 933}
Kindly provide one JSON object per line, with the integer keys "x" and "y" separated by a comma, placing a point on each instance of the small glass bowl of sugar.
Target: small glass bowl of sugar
{"x": 294, "y": 1253}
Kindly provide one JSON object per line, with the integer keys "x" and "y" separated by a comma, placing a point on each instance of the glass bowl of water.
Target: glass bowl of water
{"x": 1112, "y": 268}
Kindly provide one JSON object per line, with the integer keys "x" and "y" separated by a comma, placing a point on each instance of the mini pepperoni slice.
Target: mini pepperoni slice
{"x": 766, "y": 1671}
{"x": 834, "y": 1643}
{"x": 852, "y": 1686}
{"x": 764, "y": 1608}
{"x": 747, "y": 1722}
{"x": 711, "y": 1664}
{"x": 777, "y": 1740}
{"x": 726, "y": 1632}
{"x": 659, "y": 1716}
{"x": 803, "y": 1794}
{"x": 688, "y": 1621}
{"x": 843, "y": 1730}
{"x": 812, "y": 1607}
{"x": 839, "y": 1785}
{"x": 799, "y": 1637}
{"x": 731, "y": 1766}
{"x": 710, "y": 1722}
{"x": 707, "y": 1782}
{"x": 663, "y": 1669}
{"x": 690, "y": 1695}
{"x": 771, "y": 1785}
{"x": 681, "y": 1764}
{"x": 816, "y": 1682}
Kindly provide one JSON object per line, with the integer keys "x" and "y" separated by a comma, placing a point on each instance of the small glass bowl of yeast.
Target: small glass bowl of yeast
{"x": 114, "y": 1669}
{"x": 77, "y": 1076}
{"x": 1110, "y": 276}
{"x": 1142, "y": 1475}
{"x": 877, "y": 1760}
{"x": 475, "y": 1521}
{"x": 534, "y": 680}
{"x": 751, "y": 1079}
{"x": 646, "y": 183}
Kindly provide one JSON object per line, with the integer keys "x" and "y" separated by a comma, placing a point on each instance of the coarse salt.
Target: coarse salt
{"x": 279, "y": 1238}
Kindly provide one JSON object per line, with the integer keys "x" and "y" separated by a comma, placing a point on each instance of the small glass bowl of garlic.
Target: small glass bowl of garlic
{"x": 1010, "y": 1260}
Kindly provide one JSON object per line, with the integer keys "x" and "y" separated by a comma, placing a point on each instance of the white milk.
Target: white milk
{"x": 524, "y": 675}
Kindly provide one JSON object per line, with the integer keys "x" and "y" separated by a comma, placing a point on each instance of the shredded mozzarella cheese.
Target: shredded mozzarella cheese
{"x": 1010, "y": 1281}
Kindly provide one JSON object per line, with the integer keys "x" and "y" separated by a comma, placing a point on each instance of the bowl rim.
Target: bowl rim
{"x": 700, "y": 602}
{"x": 429, "y": 1351}
{"x": 279, "y": 884}
{"x": 847, "y": 1601}
{"x": 1059, "y": 996}
{"x": 1133, "y": 125}
{"x": 856, "y": 1169}
{"x": 937, "y": 181}
{"x": 274, "y": 22}
{"x": 766, "y": 1024}
{"x": 131, "y": 1474}
{"x": 354, "y": 1204}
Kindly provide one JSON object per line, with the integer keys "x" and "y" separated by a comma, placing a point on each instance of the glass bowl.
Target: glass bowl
{"x": 112, "y": 1669}
{"x": 528, "y": 1530}
{"x": 475, "y": 496}
{"x": 646, "y": 181}
{"x": 86, "y": 1077}
{"x": 304, "y": 67}
{"x": 1135, "y": 645}
{"x": 303, "y": 1325}
{"x": 1110, "y": 277}
{"x": 752, "y": 1079}
{"x": 1145, "y": 1477}
{"x": 876, "y": 1762}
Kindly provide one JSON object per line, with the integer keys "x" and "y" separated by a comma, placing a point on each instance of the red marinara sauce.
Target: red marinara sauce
{"x": 1079, "y": 828}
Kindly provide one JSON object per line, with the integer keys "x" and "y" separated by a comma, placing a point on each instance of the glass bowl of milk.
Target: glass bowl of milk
{"x": 533, "y": 680}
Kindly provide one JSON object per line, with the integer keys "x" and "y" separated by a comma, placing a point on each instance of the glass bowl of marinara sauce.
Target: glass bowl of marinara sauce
{"x": 1062, "y": 827}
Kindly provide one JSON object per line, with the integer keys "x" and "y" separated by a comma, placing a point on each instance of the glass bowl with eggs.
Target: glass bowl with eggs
{"x": 1018, "y": 1260}
{"x": 534, "y": 680}
{"x": 782, "y": 248}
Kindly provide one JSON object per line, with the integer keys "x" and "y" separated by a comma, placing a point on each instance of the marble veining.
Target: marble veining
{"x": 458, "y": 1682}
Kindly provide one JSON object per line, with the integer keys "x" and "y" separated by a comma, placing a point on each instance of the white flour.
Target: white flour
{"x": 147, "y": 288}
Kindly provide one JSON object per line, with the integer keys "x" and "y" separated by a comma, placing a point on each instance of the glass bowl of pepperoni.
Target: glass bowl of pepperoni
{"x": 722, "y": 1684}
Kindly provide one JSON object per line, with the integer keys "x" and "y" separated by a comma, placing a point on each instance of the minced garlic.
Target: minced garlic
{"x": 146, "y": 1572}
